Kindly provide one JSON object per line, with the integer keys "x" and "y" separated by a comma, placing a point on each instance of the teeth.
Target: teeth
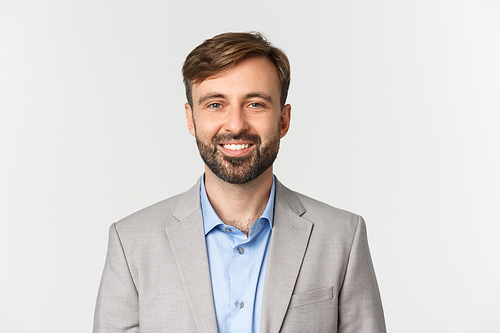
{"x": 236, "y": 147}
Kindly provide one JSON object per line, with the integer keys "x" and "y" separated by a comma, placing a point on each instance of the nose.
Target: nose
{"x": 236, "y": 121}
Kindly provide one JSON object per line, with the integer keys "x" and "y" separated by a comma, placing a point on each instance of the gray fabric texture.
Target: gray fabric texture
{"x": 319, "y": 278}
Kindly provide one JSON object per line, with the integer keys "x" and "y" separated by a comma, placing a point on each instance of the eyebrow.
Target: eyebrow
{"x": 210, "y": 96}
{"x": 261, "y": 95}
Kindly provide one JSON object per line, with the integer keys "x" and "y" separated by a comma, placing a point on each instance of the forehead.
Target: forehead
{"x": 255, "y": 74}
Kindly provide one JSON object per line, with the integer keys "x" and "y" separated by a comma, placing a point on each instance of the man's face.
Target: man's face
{"x": 237, "y": 121}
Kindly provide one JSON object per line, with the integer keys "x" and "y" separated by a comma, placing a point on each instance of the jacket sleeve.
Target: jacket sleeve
{"x": 360, "y": 306}
{"x": 117, "y": 308}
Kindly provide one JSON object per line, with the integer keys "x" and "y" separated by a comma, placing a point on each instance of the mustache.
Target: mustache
{"x": 244, "y": 136}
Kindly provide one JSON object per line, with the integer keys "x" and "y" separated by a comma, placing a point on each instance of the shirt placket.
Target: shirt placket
{"x": 242, "y": 301}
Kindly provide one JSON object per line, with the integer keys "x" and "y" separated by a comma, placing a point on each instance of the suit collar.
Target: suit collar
{"x": 187, "y": 241}
{"x": 288, "y": 246}
{"x": 189, "y": 202}
{"x": 288, "y": 200}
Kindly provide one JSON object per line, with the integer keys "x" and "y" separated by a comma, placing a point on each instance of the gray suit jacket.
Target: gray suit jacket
{"x": 319, "y": 277}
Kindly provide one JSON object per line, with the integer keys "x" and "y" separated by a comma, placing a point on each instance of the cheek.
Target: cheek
{"x": 272, "y": 128}
{"x": 206, "y": 128}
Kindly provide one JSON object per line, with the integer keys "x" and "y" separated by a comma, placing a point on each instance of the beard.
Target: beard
{"x": 239, "y": 169}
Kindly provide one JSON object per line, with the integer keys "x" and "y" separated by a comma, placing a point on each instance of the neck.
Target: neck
{"x": 239, "y": 205}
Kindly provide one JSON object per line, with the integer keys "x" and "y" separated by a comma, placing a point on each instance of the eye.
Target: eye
{"x": 215, "y": 106}
{"x": 255, "y": 105}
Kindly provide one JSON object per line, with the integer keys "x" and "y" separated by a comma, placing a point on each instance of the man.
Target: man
{"x": 238, "y": 252}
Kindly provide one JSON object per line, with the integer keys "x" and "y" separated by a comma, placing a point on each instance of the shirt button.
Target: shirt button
{"x": 240, "y": 304}
{"x": 227, "y": 230}
{"x": 240, "y": 250}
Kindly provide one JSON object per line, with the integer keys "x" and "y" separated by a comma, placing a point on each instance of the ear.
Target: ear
{"x": 189, "y": 118}
{"x": 285, "y": 120}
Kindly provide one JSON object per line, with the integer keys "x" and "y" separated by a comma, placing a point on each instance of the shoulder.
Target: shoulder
{"x": 317, "y": 210}
{"x": 323, "y": 216}
{"x": 149, "y": 218}
{"x": 161, "y": 214}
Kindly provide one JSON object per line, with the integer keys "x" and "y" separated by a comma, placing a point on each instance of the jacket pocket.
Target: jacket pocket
{"x": 311, "y": 297}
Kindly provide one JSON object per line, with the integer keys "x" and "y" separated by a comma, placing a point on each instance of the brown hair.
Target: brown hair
{"x": 221, "y": 53}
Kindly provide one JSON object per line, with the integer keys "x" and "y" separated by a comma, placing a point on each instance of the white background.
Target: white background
{"x": 395, "y": 117}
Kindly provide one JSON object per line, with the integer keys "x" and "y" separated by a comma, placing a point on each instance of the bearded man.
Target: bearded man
{"x": 238, "y": 252}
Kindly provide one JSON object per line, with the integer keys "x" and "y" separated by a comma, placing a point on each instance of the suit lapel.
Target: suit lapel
{"x": 289, "y": 241}
{"x": 187, "y": 239}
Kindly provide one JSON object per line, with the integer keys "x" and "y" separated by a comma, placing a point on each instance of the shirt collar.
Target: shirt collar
{"x": 210, "y": 218}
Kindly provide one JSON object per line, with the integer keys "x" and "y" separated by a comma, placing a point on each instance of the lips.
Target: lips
{"x": 236, "y": 146}
{"x": 234, "y": 149}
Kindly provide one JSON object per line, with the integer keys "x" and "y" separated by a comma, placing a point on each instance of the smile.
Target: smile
{"x": 236, "y": 147}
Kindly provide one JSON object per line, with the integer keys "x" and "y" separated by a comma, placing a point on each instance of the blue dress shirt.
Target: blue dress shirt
{"x": 237, "y": 266}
